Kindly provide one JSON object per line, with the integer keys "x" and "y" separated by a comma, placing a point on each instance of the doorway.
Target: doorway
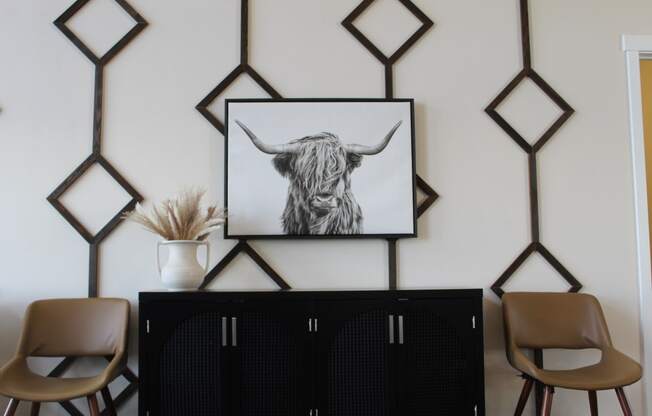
{"x": 638, "y": 58}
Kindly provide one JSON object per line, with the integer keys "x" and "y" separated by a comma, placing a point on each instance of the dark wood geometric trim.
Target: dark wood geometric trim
{"x": 53, "y": 198}
{"x": 118, "y": 178}
{"x": 534, "y": 197}
{"x": 265, "y": 267}
{"x": 391, "y": 261}
{"x": 93, "y": 159}
{"x": 431, "y": 196}
{"x": 426, "y": 24}
{"x": 93, "y": 266}
{"x": 241, "y": 69}
{"x": 202, "y": 107}
{"x": 567, "y": 110}
{"x": 123, "y": 397}
{"x": 260, "y": 81}
{"x": 388, "y": 63}
{"x": 535, "y": 247}
{"x": 221, "y": 265}
{"x": 129, "y": 375}
{"x": 96, "y": 157}
{"x": 60, "y": 22}
{"x": 71, "y": 409}
{"x": 127, "y": 393}
{"x": 129, "y": 36}
{"x": 497, "y": 286}
{"x": 389, "y": 81}
{"x": 349, "y": 24}
{"x": 538, "y": 387}
{"x": 115, "y": 221}
{"x": 58, "y": 371}
{"x": 244, "y": 32}
{"x": 491, "y": 110}
{"x": 97, "y": 109}
{"x": 575, "y": 285}
{"x": 62, "y": 367}
{"x": 531, "y": 151}
{"x": 243, "y": 247}
{"x": 119, "y": 400}
{"x": 525, "y": 34}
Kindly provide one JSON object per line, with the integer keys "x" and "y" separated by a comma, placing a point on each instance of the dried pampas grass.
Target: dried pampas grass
{"x": 180, "y": 218}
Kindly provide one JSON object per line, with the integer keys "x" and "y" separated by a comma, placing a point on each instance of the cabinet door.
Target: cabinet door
{"x": 437, "y": 365}
{"x": 355, "y": 360}
{"x": 271, "y": 359}
{"x": 186, "y": 358}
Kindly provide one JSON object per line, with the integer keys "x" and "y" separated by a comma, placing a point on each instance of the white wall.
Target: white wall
{"x": 155, "y": 137}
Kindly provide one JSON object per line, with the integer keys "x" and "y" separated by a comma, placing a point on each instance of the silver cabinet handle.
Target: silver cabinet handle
{"x": 234, "y": 331}
{"x": 224, "y": 335}
{"x": 310, "y": 330}
{"x": 316, "y": 323}
{"x": 400, "y": 329}
{"x": 391, "y": 329}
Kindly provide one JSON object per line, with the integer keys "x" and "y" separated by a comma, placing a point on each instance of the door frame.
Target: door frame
{"x": 637, "y": 47}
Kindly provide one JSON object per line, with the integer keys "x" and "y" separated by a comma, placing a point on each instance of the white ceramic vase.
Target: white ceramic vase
{"x": 182, "y": 271}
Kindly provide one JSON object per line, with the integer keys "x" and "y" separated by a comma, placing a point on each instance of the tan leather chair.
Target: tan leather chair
{"x": 67, "y": 328}
{"x": 566, "y": 321}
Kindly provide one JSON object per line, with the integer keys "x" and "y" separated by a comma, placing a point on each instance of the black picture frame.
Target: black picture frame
{"x": 389, "y": 236}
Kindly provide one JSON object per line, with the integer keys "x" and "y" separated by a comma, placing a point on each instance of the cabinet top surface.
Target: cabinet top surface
{"x": 314, "y": 294}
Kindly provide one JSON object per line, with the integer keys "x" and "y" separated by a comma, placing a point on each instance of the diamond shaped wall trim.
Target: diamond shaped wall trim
{"x": 536, "y": 246}
{"x": 531, "y": 150}
{"x": 96, "y": 157}
{"x": 388, "y": 62}
{"x": 203, "y": 107}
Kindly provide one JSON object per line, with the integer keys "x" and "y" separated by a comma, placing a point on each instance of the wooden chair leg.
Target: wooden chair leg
{"x": 623, "y": 401}
{"x": 36, "y": 408}
{"x": 92, "y": 405}
{"x": 525, "y": 395}
{"x": 11, "y": 407}
{"x": 108, "y": 401}
{"x": 593, "y": 402}
{"x": 546, "y": 405}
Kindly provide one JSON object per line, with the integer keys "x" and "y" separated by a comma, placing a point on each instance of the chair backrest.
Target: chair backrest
{"x": 75, "y": 328}
{"x": 554, "y": 320}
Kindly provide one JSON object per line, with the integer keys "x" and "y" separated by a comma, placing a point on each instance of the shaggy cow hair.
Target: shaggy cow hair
{"x": 321, "y": 165}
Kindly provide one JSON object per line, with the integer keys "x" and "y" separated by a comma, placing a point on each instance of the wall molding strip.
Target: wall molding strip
{"x": 96, "y": 158}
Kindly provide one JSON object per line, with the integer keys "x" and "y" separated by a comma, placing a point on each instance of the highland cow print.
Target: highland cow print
{"x": 317, "y": 177}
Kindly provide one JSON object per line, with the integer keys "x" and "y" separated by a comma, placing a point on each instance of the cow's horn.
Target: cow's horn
{"x": 271, "y": 149}
{"x": 372, "y": 150}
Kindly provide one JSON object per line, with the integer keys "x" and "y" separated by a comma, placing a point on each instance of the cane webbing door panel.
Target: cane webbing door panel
{"x": 271, "y": 359}
{"x": 186, "y": 359}
{"x": 355, "y": 359}
{"x": 436, "y": 339}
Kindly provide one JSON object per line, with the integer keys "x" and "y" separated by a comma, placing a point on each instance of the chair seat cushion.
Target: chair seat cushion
{"x": 17, "y": 381}
{"x": 615, "y": 369}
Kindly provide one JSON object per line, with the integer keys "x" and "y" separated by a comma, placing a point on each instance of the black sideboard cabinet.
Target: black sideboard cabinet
{"x": 297, "y": 353}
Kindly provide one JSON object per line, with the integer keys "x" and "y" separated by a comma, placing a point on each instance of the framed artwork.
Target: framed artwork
{"x": 320, "y": 168}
